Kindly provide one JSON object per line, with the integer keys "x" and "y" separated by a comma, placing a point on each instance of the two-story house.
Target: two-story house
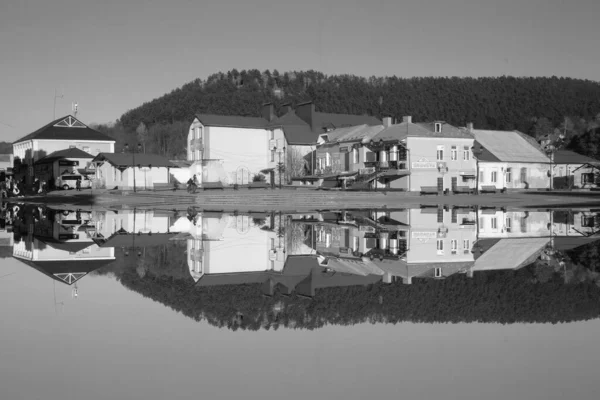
{"x": 233, "y": 149}
{"x": 63, "y": 133}
{"x": 63, "y": 162}
{"x": 509, "y": 160}
{"x": 432, "y": 154}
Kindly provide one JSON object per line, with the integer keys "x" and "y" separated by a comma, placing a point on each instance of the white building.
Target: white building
{"x": 63, "y": 133}
{"x": 510, "y": 160}
{"x": 125, "y": 171}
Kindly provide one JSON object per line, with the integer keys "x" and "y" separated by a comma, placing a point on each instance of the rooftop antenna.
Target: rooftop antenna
{"x": 56, "y": 96}
{"x": 74, "y": 109}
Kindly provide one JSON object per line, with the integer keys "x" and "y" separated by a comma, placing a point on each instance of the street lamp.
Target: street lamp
{"x": 133, "y": 151}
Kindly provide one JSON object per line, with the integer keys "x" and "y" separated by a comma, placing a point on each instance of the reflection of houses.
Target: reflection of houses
{"x": 61, "y": 247}
{"x": 430, "y": 154}
{"x": 63, "y": 133}
{"x": 232, "y": 149}
{"x": 109, "y": 223}
{"x": 63, "y": 162}
{"x": 500, "y": 223}
{"x": 510, "y": 159}
{"x": 124, "y": 171}
{"x": 572, "y": 170}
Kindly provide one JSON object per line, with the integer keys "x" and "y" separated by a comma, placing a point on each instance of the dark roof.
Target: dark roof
{"x": 73, "y": 247}
{"x": 69, "y": 128}
{"x": 300, "y": 135}
{"x": 126, "y": 160}
{"x": 232, "y": 121}
{"x": 66, "y": 153}
{"x": 66, "y": 271}
{"x": 570, "y": 157}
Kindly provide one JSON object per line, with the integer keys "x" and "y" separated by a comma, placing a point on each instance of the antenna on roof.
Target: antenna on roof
{"x": 55, "y": 97}
{"x": 74, "y": 109}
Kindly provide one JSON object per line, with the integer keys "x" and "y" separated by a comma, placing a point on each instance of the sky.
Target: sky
{"x": 112, "y": 343}
{"x": 114, "y": 55}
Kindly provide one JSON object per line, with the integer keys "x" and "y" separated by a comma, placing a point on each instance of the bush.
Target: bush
{"x": 259, "y": 178}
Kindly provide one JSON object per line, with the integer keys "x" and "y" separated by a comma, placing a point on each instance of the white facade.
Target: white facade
{"x": 34, "y": 149}
{"x": 512, "y": 175}
{"x": 145, "y": 178}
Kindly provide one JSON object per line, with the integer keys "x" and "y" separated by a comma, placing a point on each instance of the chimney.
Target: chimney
{"x": 306, "y": 112}
{"x": 407, "y": 119}
{"x": 408, "y": 279}
{"x": 470, "y": 273}
{"x": 286, "y": 108}
{"x": 268, "y": 111}
{"x": 387, "y": 278}
{"x": 470, "y": 126}
{"x": 387, "y": 122}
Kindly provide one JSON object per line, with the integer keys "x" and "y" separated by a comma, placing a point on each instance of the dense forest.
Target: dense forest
{"x": 537, "y": 106}
{"x": 492, "y": 297}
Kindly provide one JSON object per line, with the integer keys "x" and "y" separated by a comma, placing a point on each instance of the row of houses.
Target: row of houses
{"x": 295, "y": 251}
{"x": 303, "y": 146}
{"x": 363, "y": 152}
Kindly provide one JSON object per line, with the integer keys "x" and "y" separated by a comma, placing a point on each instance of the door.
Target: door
{"x": 440, "y": 184}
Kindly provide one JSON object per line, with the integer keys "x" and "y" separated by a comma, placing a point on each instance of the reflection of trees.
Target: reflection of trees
{"x": 492, "y": 297}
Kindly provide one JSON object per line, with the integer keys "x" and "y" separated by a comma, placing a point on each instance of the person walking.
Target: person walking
{"x": 78, "y": 185}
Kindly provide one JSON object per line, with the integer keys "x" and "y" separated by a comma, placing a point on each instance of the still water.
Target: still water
{"x": 425, "y": 302}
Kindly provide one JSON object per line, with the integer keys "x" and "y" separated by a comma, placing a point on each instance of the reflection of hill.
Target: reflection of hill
{"x": 497, "y": 297}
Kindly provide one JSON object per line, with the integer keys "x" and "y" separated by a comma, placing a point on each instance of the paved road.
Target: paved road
{"x": 307, "y": 200}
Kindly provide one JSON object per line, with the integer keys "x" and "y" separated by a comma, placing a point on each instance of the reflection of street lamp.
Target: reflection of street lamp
{"x": 133, "y": 151}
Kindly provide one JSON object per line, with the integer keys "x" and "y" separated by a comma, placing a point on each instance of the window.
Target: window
{"x": 355, "y": 240}
{"x": 272, "y": 155}
{"x": 587, "y": 221}
{"x": 494, "y": 222}
{"x": 440, "y": 152}
{"x": 355, "y": 157}
{"x": 438, "y": 127}
{"x": 453, "y": 153}
{"x": 440, "y": 246}
{"x": 508, "y": 224}
{"x": 523, "y": 175}
{"x": 440, "y": 215}
{"x": 466, "y": 244}
{"x": 494, "y": 176}
{"x": 466, "y": 153}
{"x": 86, "y": 149}
{"x": 453, "y": 246}
{"x": 272, "y": 135}
{"x": 481, "y": 224}
{"x": 327, "y": 160}
{"x": 508, "y": 175}
{"x": 481, "y": 176}
{"x": 437, "y": 272}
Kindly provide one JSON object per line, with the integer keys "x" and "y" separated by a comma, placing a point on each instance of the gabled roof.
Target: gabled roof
{"x": 232, "y": 121}
{"x": 508, "y": 146}
{"x": 72, "y": 247}
{"x": 570, "y": 157}
{"x": 403, "y": 130}
{"x": 66, "y": 153}
{"x": 66, "y": 128}
{"x": 523, "y": 251}
{"x": 141, "y": 159}
{"x": 135, "y": 240}
{"x": 353, "y": 134}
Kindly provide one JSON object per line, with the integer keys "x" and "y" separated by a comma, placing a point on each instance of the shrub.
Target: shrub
{"x": 259, "y": 178}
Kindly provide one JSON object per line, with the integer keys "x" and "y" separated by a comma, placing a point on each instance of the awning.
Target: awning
{"x": 468, "y": 174}
{"x": 345, "y": 149}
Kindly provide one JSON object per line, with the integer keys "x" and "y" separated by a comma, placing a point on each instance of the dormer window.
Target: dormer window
{"x": 437, "y": 273}
{"x": 438, "y": 127}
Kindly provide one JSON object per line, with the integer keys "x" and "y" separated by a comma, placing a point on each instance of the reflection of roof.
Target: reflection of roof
{"x": 232, "y": 121}
{"x": 141, "y": 159}
{"x": 66, "y": 271}
{"x": 131, "y": 239}
{"x": 66, "y": 128}
{"x": 570, "y": 157}
{"x": 523, "y": 251}
{"x": 508, "y": 146}
{"x": 71, "y": 247}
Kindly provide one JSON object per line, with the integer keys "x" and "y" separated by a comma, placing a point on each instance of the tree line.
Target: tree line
{"x": 536, "y": 106}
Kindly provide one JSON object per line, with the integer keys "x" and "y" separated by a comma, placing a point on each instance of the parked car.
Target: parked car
{"x": 70, "y": 181}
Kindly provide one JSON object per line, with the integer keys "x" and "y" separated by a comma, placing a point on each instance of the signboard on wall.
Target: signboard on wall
{"x": 424, "y": 165}
{"x": 424, "y": 235}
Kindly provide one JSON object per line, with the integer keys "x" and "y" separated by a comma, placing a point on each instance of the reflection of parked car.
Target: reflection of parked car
{"x": 70, "y": 181}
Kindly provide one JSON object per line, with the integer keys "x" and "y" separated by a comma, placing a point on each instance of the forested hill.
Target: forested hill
{"x": 501, "y": 103}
